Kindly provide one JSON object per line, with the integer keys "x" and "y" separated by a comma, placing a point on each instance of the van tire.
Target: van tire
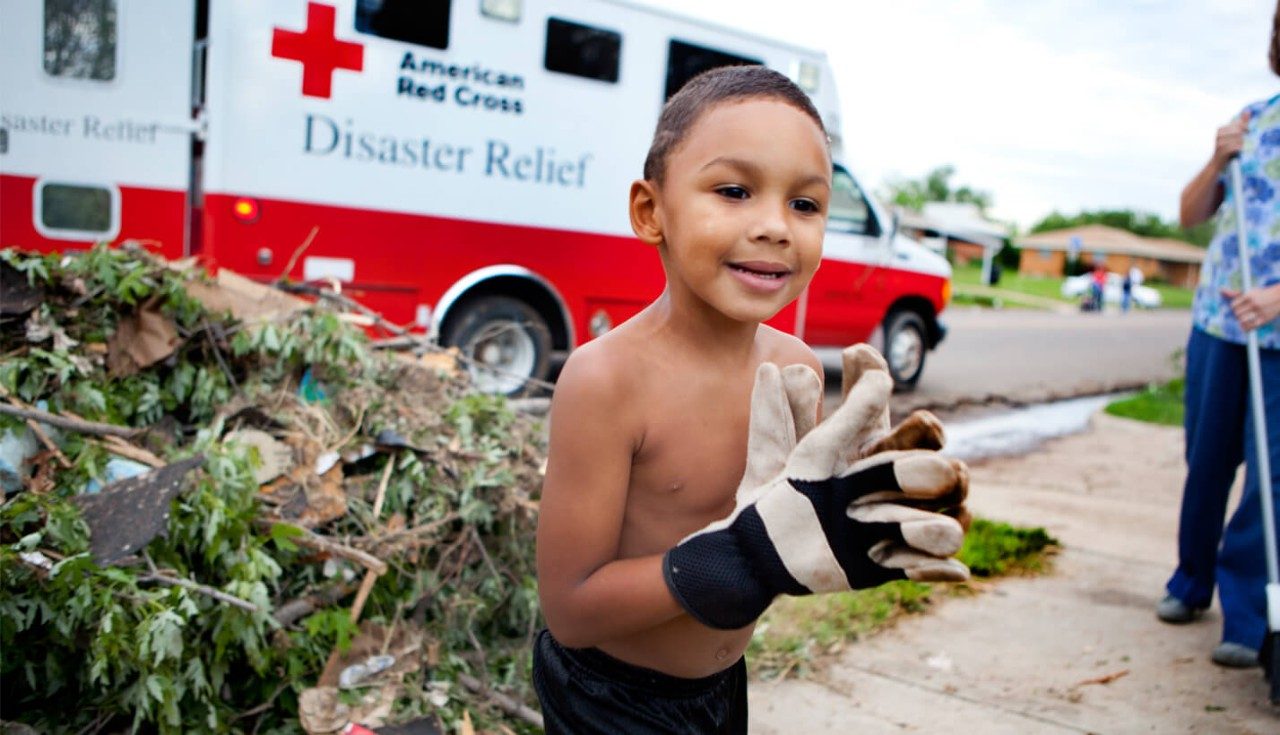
{"x": 504, "y": 333}
{"x": 906, "y": 341}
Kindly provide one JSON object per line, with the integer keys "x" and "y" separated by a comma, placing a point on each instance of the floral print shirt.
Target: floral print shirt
{"x": 1260, "y": 169}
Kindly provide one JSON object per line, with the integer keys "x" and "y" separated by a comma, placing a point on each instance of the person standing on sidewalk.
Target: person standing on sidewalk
{"x": 1217, "y": 384}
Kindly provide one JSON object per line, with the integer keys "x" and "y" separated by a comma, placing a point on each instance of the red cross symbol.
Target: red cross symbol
{"x": 318, "y": 50}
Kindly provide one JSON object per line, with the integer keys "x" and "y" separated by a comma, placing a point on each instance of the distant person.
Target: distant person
{"x": 1126, "y": 291}
{"x": 650, "y": 575}
{"x": 1218, "y": 411}
{"x": 1098, "y": 285}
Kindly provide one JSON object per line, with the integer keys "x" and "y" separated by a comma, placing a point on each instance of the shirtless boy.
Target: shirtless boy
{"x": 649, "y": 422}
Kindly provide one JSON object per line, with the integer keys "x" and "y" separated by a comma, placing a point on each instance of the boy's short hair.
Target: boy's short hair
{"x": 711, "y": 87}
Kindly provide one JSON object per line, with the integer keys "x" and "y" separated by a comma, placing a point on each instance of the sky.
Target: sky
{"x": 1063, "y": 105}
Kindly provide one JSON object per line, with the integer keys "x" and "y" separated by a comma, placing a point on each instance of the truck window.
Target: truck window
{"x": 80, "y": 39}
{"x": 423, "y": 22}
{"x": 81, "y": 209}
{"x": 686, "y": 61}
{"x": 848, "y": 210}
{"x": 582, "y": 50}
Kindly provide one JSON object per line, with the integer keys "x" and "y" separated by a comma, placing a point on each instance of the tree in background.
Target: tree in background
{"x": 934, "y": 187}
{"x": 1139, "y": 223}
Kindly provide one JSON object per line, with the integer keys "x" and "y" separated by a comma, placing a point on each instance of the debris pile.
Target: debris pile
{"x": 226, "y": 510}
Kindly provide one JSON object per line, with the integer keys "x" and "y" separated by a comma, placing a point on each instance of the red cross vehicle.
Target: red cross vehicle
{"x": 460, "y": 167}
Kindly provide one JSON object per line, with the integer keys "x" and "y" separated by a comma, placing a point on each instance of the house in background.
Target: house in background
{"x": 1172, "y": 261}
{"x": 956, "y": 230}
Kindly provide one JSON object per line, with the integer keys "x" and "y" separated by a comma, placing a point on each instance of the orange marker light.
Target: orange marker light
{"x": 246, "y": 210}
{"x": 946, "y": 292}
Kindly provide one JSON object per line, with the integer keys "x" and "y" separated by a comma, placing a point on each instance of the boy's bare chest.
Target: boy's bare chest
{"x": 687, "y": 470}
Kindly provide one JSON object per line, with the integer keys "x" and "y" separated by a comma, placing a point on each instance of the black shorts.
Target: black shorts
{"x": 585, "y": 691}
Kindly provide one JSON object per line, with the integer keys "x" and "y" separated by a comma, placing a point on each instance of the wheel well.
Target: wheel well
{"x": 922, "y": 307}
{"x": 530, "y": 292}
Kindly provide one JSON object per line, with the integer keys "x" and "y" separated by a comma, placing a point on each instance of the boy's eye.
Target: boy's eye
{"x": 807, "y": 206}
{"x": 732, "y": 192}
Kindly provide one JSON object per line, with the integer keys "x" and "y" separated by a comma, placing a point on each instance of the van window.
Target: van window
{"x": 848, "y": 210}
{"x": 424, "y": 22}
{"x": 83, "y": 209}
{"x": 583, "y": 51}
{"x": 686, "y": 61}
{"x": 80, "y": 39}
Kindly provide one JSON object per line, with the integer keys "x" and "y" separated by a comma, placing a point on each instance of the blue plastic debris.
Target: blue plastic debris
{"x": 117, "y": 469}
{"x": 15, "y": 450}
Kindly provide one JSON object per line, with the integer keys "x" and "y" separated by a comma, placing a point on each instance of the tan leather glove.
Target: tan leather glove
{"x": 920, "y": 430}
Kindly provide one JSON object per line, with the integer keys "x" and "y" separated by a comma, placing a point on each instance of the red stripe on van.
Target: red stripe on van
{"x": 152, "y": 216}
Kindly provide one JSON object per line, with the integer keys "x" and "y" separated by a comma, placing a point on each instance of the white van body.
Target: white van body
{"x": 461, "y": 167}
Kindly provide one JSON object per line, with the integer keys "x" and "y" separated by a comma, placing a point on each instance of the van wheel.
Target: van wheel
{"x": 504, "y": 340}
{"x": 904, "y": 348}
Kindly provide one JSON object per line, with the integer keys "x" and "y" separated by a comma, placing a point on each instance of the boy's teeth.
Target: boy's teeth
{"x": 761, "y": 274}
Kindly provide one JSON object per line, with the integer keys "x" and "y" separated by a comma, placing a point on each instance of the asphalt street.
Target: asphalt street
{"x": 1018, "y": 356}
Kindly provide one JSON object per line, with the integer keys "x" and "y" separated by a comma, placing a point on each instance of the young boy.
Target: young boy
{"x": 649, "y": 424}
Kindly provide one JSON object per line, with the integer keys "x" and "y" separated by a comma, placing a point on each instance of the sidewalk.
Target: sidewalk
{"x": 1078, "y": 650}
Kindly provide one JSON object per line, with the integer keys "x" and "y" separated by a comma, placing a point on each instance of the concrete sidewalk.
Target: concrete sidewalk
{"x": 1078, "y": 650}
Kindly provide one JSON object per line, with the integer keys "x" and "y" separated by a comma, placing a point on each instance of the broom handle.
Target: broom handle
{"x": 1262, "y": 448}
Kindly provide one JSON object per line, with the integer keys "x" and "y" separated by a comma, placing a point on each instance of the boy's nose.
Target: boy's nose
{"x": 771, "y": 226}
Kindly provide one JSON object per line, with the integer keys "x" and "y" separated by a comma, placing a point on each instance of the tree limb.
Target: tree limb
{"x": 502, "y": 701}
{"x": 62, "y": 422}
{"x": 313, "y": 540}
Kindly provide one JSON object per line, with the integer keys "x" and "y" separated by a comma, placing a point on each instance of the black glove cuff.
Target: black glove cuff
{"x": 703, "y": 592}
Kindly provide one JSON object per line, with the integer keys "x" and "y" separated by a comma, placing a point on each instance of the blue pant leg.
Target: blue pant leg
{"x": 1215, "y": 405}
{"x": 1242, "y": 570}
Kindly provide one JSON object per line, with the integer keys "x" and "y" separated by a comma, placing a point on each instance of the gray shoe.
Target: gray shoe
{"x": 1173, "y": 610}
{"x": 1234, "y": 656}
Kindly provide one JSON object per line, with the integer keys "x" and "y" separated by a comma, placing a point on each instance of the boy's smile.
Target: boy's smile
{"x": 741, "y": 212}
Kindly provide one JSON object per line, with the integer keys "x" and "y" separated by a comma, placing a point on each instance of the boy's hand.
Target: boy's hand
{"x": 815, "y": 518}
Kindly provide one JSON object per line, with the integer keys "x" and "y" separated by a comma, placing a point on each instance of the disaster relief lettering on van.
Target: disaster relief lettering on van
{"x": 324, "y": 136}
{"x": 88, "y": 126}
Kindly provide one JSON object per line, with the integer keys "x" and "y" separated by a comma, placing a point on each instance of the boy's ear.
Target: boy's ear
{"x": 646, "y": 219}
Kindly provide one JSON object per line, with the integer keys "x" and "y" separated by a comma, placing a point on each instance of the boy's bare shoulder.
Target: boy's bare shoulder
{"x": 786, "y": 349}
{"x": 602, "y": 370}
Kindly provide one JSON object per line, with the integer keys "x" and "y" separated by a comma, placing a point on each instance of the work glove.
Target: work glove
{"x": 812, "y": 517}
{"x": 920, "y": 430}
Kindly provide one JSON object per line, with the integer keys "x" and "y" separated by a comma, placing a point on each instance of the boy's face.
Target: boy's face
{"x": 743, "y": 208}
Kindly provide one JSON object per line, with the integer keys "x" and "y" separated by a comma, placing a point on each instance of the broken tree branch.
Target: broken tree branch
{"x": 157, "y": 576}
{"x": 303, "y": 606}
{"x": 62, "y": 422}
{"x": 382, "y": 487}
{"x": 297, "y": 253}
{"x": 362, "y": 594}
{"x": 122, "y": 448}
{"x": 313, "y": 540}
{"x": 39, "y": 432}
{"x": 502, "y": 701}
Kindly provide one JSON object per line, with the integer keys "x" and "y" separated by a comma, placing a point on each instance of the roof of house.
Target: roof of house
{"x": 1112, "y": 240}
{"x": 957, "y": 221}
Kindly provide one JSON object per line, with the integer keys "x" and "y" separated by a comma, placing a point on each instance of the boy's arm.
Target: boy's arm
{"x": 588, "y": 595}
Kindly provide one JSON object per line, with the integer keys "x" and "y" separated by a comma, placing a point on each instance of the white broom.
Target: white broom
{"x": 1271, "y": 646}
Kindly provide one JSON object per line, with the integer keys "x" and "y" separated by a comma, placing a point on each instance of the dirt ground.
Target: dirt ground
{"x": 1078, "y": 650}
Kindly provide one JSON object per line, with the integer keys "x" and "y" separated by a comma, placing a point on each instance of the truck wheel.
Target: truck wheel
{"x": 504, "y": 340}
{"x": 904, "y": 348}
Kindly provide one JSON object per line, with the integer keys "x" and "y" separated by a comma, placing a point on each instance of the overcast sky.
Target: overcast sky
{"x": 1046, "y": 104}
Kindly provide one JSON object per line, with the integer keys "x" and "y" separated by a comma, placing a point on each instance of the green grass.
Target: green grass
{"x": 1157, "y": 404}
{"x": 798, "y": 631}
{"x": 1042, "y": 286}
{"x": 1174, "y": 297}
